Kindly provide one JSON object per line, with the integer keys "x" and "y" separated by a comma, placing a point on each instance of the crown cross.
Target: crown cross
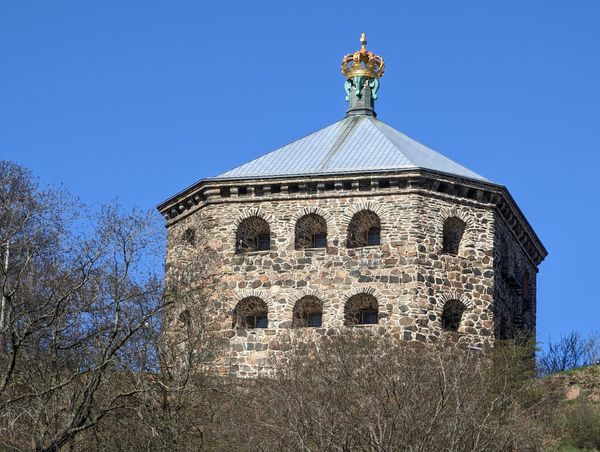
{"x": 362, "y": 62}
{"x": 363, "y": 41}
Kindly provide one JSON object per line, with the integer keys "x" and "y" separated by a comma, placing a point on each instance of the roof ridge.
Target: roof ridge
{"x": 421, "y": 147}
{"x": 341, "y": 139}
{"x": 374, "y": 121}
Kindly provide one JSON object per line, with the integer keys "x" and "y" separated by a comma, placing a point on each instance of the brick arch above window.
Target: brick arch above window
{"x": 253, "y": 212}
{"x": 371, "y": 219}
{"x": 361, "y": 309}
{"x": 314, "y": 210}
{"x": 451, "y": 310}
{"x": 252, "y": 234}
{"x": 456, "y": 226}
{"x": 364, "y": 229}
{"x": 257, "y": 293}
{"x": 380, "y": 209}
{"x": 310, "y": 231}
{"x": 307, "y": 312}
{"x": 251, "y": 312}
{"x": 456, "y": 295}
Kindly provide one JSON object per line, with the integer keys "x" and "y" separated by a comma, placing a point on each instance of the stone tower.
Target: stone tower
{"x": 356, "y": 226}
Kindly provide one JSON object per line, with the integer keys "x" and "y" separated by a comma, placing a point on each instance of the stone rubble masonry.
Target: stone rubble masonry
{"x": 408, "y": 273}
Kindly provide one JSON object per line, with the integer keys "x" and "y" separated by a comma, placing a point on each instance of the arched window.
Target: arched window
{"x": 311, "y": 232}
{"x": 454, "y": 228}
{"x": 308, "y": 311}
{"x": 364, "y": 229}
{"x": 253, "y": 234}
{"x": 452, "y": 315}
{"x": 251, "y": 312}
{"x": 361, "y": 309}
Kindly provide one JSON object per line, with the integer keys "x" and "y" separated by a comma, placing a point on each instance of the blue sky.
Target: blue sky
{"x": 136, "y": 100}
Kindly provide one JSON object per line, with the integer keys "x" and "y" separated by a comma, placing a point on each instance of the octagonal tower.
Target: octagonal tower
{"x": 356, "y": 226}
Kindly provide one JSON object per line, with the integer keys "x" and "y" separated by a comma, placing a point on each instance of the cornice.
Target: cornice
{"x": 426, "y": 182}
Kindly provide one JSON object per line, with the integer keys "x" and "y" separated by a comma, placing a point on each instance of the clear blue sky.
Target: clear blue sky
{"x": 136, "y": 100}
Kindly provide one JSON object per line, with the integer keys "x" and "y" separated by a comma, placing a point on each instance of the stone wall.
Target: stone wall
{"x": 408, "y": 273}
{"x": 515, "y": 288}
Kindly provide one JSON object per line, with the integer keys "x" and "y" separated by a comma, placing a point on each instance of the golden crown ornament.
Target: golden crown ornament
{"x": 362, "y": 67}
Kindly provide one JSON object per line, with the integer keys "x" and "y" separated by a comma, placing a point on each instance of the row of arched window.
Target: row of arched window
{"x": 364, "y": 229}
{"x": 360, "y": 309}
{"x": 254, "y": 233}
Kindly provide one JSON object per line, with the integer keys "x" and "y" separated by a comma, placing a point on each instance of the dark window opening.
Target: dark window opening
{"x": 263, "y": 242}
{"x": 314, "y": 319}
{"x": 329, "y": 186}
{"x": 308, "y": 312}
{"x": 312, "y": 188}
{"x": 257, "y": 321}
{"x": 294, "y": 188}
{"x": 454, "y": 229}
{"x": 373, "y": 236}
{"x": 364, "y": 229}
{"x": 347, "y": 185}
{"x": 258, "y": 191}
{"x": 275, "y": 188}
{"x": 251, "y": 312}
{"x": 452, "y": 315}
{"x": 320, "y": 240}
{"x": 253, "y": 234}
{"x": 384, "y": 183}
{"x": 361, "y": 309}
{"x": 311, "y": 232}
{"x": 368, "y": 316}
{"x": 242, "y": 191}
{"x": 225, "y": 192}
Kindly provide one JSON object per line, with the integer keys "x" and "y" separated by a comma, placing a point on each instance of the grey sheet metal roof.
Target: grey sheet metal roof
{"x": 353, "y": 144}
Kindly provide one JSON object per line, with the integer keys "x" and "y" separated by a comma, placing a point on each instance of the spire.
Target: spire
{"x": 362, "y": 70}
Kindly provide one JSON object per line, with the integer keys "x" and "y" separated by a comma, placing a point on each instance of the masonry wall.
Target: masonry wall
{"x": 515, "y": 289}
{"x": 408, "y": 273}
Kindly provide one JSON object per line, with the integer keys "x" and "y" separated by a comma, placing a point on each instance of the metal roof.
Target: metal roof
{"x": 353, "y": 144}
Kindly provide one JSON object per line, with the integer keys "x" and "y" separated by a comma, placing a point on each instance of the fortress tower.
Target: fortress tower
{"x": 356, "y": 226}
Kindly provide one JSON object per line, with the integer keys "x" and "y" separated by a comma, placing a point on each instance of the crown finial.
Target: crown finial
{"x": 362, "y": 70}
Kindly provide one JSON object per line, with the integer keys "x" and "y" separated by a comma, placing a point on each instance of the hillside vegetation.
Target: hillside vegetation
{"x": 575, "y": 419}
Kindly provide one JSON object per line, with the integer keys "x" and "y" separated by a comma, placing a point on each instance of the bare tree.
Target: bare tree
{"x": 358, "y": 392}
{"x": 80, "y": 294}
{"x": 568, "y": 352}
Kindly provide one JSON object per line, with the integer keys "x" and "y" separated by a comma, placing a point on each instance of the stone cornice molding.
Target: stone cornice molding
{"x": 425, "y": 182}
